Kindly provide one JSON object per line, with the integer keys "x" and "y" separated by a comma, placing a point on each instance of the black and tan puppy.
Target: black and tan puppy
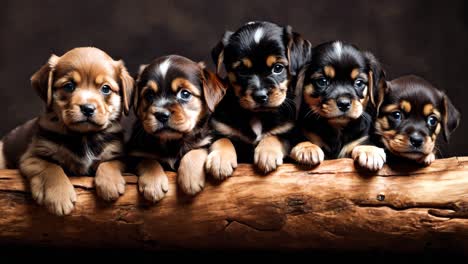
{"x": 412, "y": 113}
{"x": 337, "y": 92}
{"x": 261, "y": 60}
{"x": 85, "y": 92}
{"x": 173, "y": 102}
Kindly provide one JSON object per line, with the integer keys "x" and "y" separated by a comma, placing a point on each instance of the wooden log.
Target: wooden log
{"x": 332, "y": 206}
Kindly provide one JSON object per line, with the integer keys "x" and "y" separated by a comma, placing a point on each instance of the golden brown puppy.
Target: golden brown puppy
{"x": 85, "y": 92}
{"x": 173, "y": 102}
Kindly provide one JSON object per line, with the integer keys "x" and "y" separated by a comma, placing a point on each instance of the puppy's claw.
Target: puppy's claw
{"x": 369, "y": 157}
{"x": 221, "y": 164}
{"x": 153, "y": 187}
{"x": 307, "y": 153}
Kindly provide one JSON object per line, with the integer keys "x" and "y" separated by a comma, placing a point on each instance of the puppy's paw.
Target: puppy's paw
{"x": 191, "y": 173}
{"x": 109, "y": 187}
{"x": 57, "y": 195}
{"x": 268, "y": 158}
{"x": 153, "y": 187}
{"x": 427, "y": 160}
{"x": 307, "y": 153}
{"x": 369, "y": 157}
{"x": 221, "y": 164}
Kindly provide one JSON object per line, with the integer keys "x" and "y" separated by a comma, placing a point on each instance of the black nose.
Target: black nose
{"x": 88, "y": 109}
{"x": 260, "y": 97}
{"x": 416, "y": 140}
{"x": 163, "y": 116}
{"x": 343, "y": 103}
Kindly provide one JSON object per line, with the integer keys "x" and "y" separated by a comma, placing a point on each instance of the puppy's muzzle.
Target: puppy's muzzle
{"x": 343, "y": 103}
{"x": 88, "y": 110}
{"x": 260, "y": 96}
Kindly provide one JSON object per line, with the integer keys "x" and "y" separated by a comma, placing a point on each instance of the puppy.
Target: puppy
{"x": 262, "y": 60}
{"x": 336, "y": 110}
{"x": 85, "y": 92}
{"x": 173, "y": 102}
{"x": 412, "y": 113}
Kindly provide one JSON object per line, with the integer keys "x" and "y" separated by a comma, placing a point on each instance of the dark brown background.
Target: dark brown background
{"x": 421, "y": 37}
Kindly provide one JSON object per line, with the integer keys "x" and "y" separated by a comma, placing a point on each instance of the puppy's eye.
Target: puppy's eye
{"x": 149, "y": 96}
{"x": 432, "y": 121}
{"x": 322, "y": 82}
{"x": 278, "y": 68}
{"x": 184, "y": 95}
{"x": 359, "y": 84}
{"x": 69, "y": 87}
{"x": 106, "y": 90}
{"x": 396, "y": 115}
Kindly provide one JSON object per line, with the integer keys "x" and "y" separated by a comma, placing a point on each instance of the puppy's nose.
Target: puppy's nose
{"x": 260, "y": 97}
{"x": 343, "y": 103}
{"x": 163, "y": 116}
{"x": 416, "y": 140}
{"x": 88, "y": 109}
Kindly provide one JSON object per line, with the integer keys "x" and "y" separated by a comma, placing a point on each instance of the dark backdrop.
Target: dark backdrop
{"x": 428, "y": 38}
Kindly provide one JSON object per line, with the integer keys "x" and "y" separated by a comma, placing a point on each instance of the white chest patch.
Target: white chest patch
{"x": 257, "y": 128}
{"x": 163, "y": 67}
{"x": 258, "y": 35}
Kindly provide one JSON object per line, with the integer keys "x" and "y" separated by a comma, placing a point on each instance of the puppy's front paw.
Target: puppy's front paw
{"x": 427, "y": 160}
{"x": 307, "y": 153}
{"x": 221, "y": 164}
{"x": 369, "y": 157}
{"x": 56, "y": 194}
{"x": 268, "y": 158}
{"x": 109, "y": 187}
{"x": 191, "y": 173}
{"x": 153, "y": 187}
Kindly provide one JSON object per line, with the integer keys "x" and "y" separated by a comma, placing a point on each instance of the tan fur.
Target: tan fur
{"x": 354, "y": 73}
{"x": 152, "y": 181}
{"x": 269, "y": 153}
{"x": 390, "y": 108}
{"x": 181, "y": 83}
{"x": 236, "y": 64}
{"x": 153, "y": 85}
{"x": 247, "y": 62}
{"x": 329, "y": 71}
{"x": 109, "y": 182}
{"x": 232, "y": 77}
{"x": 222, "y": 159}
{"x": 271, "y": 60}
{"x": 307, "y": 153}
{"x": 428, "y": 109}
{"x": 348, "y": 148}
{"x": 2, "y": 157}
{"x": 405, "y": 106}
{"x": 370, "y": 157}
{"x": 191, "y": 172}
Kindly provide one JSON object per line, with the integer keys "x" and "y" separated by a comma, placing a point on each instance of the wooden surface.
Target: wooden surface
{"x": 331, "y": 206}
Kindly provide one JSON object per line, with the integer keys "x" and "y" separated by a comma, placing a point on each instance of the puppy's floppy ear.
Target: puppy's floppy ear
{"x": 217, "y": 53}
{"x": 136, "y": 93}
{"x": 299, "y": 50}
{"x": 377, "y": 84}
{"x": 42, "y": 80}
{"x": 298, "y": 92}
{"x": 126, "y": 86}
{"x": 450, "y": 117}
{"x": 213, "y": 88}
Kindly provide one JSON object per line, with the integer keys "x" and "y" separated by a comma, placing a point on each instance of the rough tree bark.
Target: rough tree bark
{"x": 331, "y": 206}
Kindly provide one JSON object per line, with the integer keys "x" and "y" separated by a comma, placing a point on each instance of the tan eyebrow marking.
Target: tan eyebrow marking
{"x": 73, "y": 76}
{"x": 179, "y": 83}
{"x": 329, "y": 71}
{"x": 272, "y": 59}
{"x": 247, "y": 62}
{"x": 406, "y": 106}
{"x": 390, "y": 108}
{"x": 354, "y": 73}
{"x": 236, "y": 64}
